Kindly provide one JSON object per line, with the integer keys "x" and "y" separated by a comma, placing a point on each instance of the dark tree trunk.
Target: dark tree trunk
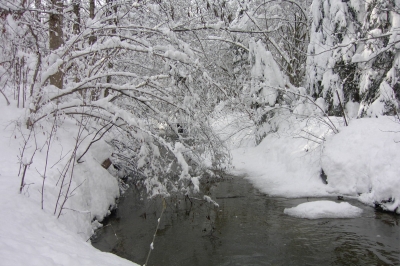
{"x": 92, "y": 6}
{"x": 56, "y": 38}
{"x": 76, "y": 8}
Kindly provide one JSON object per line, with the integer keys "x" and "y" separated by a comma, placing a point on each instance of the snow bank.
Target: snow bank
{"x": 286, "y": 163}
{"x": 364, "y": 159}
{"x": 31, "y": 236}
{"x": 324, "y": 209}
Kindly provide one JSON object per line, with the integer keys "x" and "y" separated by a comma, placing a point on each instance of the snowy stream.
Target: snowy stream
{"x": 248, "y": 228}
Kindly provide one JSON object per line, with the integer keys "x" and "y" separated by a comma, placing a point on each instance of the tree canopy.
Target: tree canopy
{"x": 150, "y": 74}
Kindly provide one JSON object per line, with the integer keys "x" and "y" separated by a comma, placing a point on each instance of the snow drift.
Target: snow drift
{"x": 363, "y": 159}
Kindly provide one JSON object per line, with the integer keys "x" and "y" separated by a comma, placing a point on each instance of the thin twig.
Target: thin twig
{"x": 155, "y": 233}
{"x": 94, "y": 140}
{"x": 47, "y": 158}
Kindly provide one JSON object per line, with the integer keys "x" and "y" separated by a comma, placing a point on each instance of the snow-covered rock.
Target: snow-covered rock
{"x": 324, "y": 209}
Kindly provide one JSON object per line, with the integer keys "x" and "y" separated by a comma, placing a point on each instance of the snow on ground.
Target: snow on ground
{"x": 31, "y": 236}
{"x": 286, "y": 163}
{"x": 324, "y": 209}
{"x": 361, "y": 161}
{"x": 364, "y": 159}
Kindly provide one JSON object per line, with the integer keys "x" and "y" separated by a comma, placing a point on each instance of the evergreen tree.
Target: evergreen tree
{"x": 330, "y": 71}
{"x": 353, "y": 56}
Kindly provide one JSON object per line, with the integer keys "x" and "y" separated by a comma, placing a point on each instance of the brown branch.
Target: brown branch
{"x": 8, "y": 102}
{"x": 93, "y": 141}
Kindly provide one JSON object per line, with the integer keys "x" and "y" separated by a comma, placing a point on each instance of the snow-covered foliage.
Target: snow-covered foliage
{"x": 282, "y": 26}
{"x": 329, "y": 69}
{"x": 377, "y": 58}
{"x": 353, "y": 55}
{"x": 124, "y": 74}
{"x": 210, "y": 201}
{"x": 159, "y": 91}
{"x": 266, "y": 77}
{"x": 234, "y": 128}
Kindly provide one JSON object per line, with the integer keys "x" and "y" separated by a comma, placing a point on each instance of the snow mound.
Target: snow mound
{"x": 324, "y": 209}
{"x": 363, "y": 159}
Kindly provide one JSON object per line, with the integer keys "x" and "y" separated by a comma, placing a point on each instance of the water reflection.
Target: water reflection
{"x": 248, "y": 228}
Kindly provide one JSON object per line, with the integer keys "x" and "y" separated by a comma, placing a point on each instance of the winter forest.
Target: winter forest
{"x": 301, "y": 97}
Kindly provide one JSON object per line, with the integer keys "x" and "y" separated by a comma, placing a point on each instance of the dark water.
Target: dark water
{"x": 248, "y": 228}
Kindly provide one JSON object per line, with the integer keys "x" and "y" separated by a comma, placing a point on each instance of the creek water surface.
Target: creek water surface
{"x": 248, "y": 228}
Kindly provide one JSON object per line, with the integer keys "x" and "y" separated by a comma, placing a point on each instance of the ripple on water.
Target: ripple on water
{"x": 249, "y": 228}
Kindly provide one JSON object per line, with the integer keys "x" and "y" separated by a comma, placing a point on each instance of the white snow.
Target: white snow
{"x": 196, "y": 183}
{"x": 32, "y": 236}
{"x": 209, "y": 200}
{"x": 360, "y": 161}
{"x": 363, "y": 158}
{"x": 324, "y": 209}
{"x": 265, "y": 72}
{"x": 285, "y": 163}
{"x": 235, "y": 129}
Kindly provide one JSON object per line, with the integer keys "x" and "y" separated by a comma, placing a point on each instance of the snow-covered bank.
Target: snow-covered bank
{"x": 360, "y": 161}
{"x": 31, "y": 236}
{"x": 364, "y": 159}
{"x": 284, "y": 163}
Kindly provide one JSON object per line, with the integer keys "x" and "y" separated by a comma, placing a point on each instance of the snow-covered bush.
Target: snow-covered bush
{"x": 354, "y": 54}
{"x": 120, "y": 80}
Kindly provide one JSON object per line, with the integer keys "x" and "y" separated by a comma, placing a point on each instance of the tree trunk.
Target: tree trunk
{"x": 92, "y": 6}
{"x": 110, "y": 64}
{"x": 76, "y": 5}
{"x": 56, "y": 38}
